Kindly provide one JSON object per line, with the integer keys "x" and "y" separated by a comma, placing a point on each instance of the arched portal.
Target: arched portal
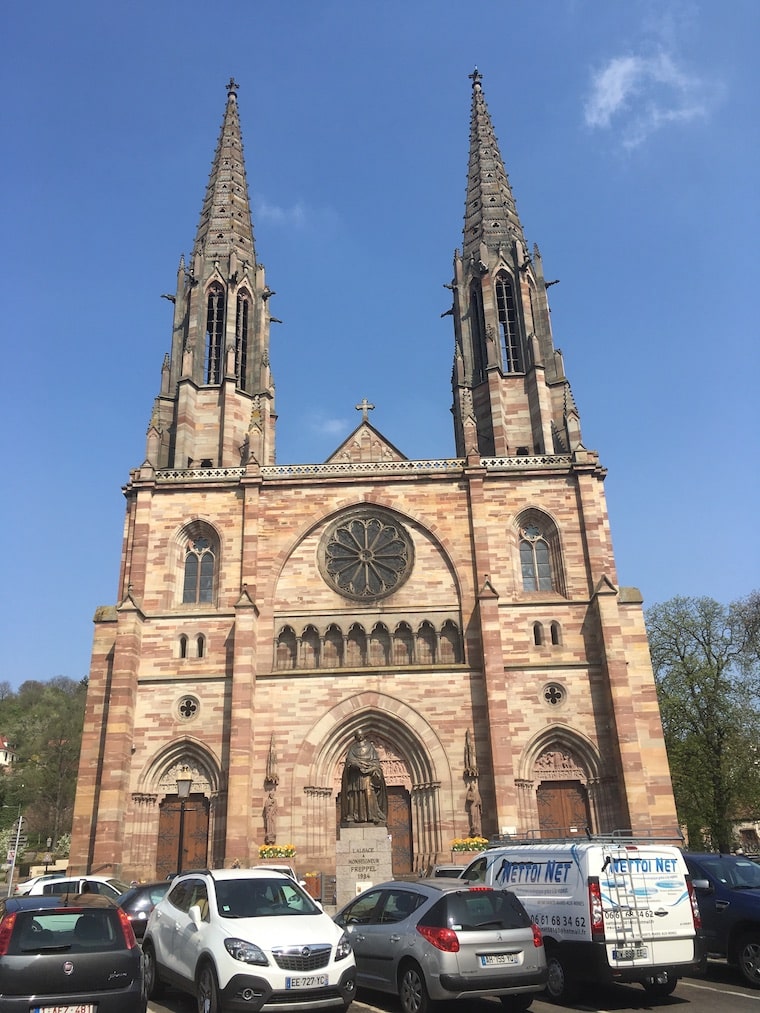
{"x": 169, "y": 834}
{"x": 563, "y": 792}
{"x": 416, "y": 770}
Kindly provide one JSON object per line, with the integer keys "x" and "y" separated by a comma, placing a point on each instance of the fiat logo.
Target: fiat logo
{"x": 68, "y": 967}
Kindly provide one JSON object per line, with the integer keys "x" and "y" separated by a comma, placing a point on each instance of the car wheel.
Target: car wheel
{"x": 412, "y": 992}
{"x": 207, "y": 990}
{"x": 748, "y": 958}
{"x": 559, "y": 985}
{"x": 659, "y": 989}
{"x": 153, "y": 984}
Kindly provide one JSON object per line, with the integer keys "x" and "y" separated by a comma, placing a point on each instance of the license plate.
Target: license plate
{"x": 634, "y": 953}
{"x": 489, "y": 959}
{"x": 309, "y": 981}
{"x": 82, "y": 1007}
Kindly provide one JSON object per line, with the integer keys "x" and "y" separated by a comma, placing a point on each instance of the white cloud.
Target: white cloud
{"x": 641, "y": 94}
{"x": 295, "y": 215}
{"x": 323, "y": 426}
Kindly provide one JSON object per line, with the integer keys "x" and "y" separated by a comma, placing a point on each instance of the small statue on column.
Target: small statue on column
{"x": 270, "y": 818}
{"x": 474, "y": 808}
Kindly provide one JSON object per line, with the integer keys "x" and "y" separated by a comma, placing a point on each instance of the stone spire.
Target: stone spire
{"x": 511, "y": 397}
{"x": 490, "y": 214}
{"x": 225, "y": 224}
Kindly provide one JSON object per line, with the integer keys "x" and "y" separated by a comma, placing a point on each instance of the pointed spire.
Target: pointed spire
{"x": 225, "y": 225}
{"x": 490, "y": 214}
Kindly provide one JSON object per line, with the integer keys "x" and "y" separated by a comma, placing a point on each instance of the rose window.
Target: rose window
{"x": 366, "y": 556}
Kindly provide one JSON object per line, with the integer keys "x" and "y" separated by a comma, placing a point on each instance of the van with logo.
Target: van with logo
{"x": 610, "y": 909}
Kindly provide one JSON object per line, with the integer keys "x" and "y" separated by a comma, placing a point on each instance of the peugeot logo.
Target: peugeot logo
{"x": 68, "y": 967}
{"x": 306, "y": 951}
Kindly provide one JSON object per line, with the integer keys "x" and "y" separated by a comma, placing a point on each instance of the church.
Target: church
{"x": 461, "y": 617}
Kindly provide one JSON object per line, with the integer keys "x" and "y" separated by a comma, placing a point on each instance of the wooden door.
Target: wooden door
{"x": 400, "y": 829}
{"x": 194, "y": 835}
{"x": 563, "y": 809}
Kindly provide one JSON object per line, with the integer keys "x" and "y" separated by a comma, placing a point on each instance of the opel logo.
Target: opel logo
{"x": 306, "y": 951}
{"x": 68, "y": 967}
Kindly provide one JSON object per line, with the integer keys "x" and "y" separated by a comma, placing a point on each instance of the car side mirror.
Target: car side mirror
{"x": 196, "y": 915}
{"x": 702, "y": 884}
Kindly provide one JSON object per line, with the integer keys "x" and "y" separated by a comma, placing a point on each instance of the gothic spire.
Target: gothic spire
{"x": 225, "y": 224}
{"x": 490, "y": 215}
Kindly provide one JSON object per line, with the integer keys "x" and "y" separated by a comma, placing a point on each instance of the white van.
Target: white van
{"x": 610, "y": 910}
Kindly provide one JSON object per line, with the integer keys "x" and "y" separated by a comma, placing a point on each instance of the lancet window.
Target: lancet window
{"x": 200, "y": 564}
{"x": 241, "y": 339}
{"x": 511, "y": 346}
{"x": 214, "y": 333}
{"x": 478, "y": 334}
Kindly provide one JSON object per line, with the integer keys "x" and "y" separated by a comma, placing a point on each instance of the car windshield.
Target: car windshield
{"x": 262, "y": 898}
{"x": 470, "y": 910}
{"x": 739, "y": 873}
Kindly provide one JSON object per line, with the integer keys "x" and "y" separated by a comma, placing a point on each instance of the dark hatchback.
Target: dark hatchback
{"x": 79, "y": 956}
{"x": 138, "y": 902}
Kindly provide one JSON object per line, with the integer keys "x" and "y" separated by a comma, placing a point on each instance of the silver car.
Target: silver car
{"x": 444, "y": 939}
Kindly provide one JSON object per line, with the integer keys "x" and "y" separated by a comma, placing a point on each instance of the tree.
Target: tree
{"x": 707, "y": 669}
{"x": 44, "y": 722}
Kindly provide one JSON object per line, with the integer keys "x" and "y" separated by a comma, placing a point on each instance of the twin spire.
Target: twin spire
{"x": 225, "y": 224}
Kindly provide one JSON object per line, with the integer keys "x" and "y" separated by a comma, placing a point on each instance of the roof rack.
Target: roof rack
{"x": 625, "y": 836}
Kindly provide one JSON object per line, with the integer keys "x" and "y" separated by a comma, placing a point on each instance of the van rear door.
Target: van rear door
{"x": 648, "y": 915}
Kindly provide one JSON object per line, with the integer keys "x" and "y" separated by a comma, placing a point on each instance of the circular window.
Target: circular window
{"x": 554, "y": 694}
{"x": 366, "y": 555}
{"x": 188, "y": 708}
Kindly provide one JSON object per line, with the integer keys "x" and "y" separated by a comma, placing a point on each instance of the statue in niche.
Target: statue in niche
{"x": 474, "y": 807}
{"x": 363, "y": 793}
{"x": 270, "y": 818}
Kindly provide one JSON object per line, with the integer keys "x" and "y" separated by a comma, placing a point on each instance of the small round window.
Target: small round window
{"x": 554, "y": 694}
{"x": 188, "y": 708}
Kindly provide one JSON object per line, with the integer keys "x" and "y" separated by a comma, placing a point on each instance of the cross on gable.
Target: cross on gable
{"x": 364, "y": 406}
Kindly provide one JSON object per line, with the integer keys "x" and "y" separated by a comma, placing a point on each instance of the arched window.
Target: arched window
{"x": 556, "y": 633}
{"x": 426, "y": 645}
{"x": 450, "y": 644}
{"x": 540, "y": 555}
{"x": 403, "y": 652}
{"x": 356, "y": 647}
{"x": 286, "y": 649}
{"x": 478, "y": 334}
{"x": 538, "y": 634}
{"x": 214, "y": 333}
{"x": 183, "y": 646}
{"x": 379, "y": 646}
{"x": 201, "y": 645}
{"x": 310, "y": 648}
{"x": 332, "y": 655}
{"x": 511, "y": 346}
{"x": 200, "y": 563}
{"x": 241, "y": 338}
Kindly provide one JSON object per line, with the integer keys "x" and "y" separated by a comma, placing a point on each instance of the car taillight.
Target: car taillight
{"x": 443, "y": 939}
{"x": 694, "y": 905}
{"x": 6, "y": 931}
{"x": 126, "y": 928}
{"x": 538, "y": 939}
{"x": 596, "y": 911}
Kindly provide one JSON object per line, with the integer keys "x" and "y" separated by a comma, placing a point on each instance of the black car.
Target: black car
{"x": 138, "y": 902}
{"x": 79, "y": 955}
{"x": 728, "y": 894}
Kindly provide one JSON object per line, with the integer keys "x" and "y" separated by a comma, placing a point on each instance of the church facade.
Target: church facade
{"x": 462, "y": 615}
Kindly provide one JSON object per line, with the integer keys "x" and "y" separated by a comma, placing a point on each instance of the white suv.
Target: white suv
{"x": 247, "y": 939}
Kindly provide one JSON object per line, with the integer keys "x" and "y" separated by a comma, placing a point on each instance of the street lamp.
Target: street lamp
{"x": 184, "y": 783}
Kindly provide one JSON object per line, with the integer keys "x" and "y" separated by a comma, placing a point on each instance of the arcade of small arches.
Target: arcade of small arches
{"x": 355, "y": 648}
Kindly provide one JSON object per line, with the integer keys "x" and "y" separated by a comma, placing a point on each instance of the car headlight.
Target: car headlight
{"x": 249, "y": 953}
{"x": 343, "y": 949}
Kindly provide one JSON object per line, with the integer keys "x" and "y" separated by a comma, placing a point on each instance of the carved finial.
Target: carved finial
{"x": 476, "y": 77}
{"x": 364, "y": 406}
{"x": 232, "y": 86}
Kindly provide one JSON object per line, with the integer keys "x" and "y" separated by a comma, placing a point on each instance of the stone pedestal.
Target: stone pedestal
{"x": 362, "y": 858}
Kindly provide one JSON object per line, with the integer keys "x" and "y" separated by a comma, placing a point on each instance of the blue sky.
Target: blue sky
{"x": 630, "y": 133}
